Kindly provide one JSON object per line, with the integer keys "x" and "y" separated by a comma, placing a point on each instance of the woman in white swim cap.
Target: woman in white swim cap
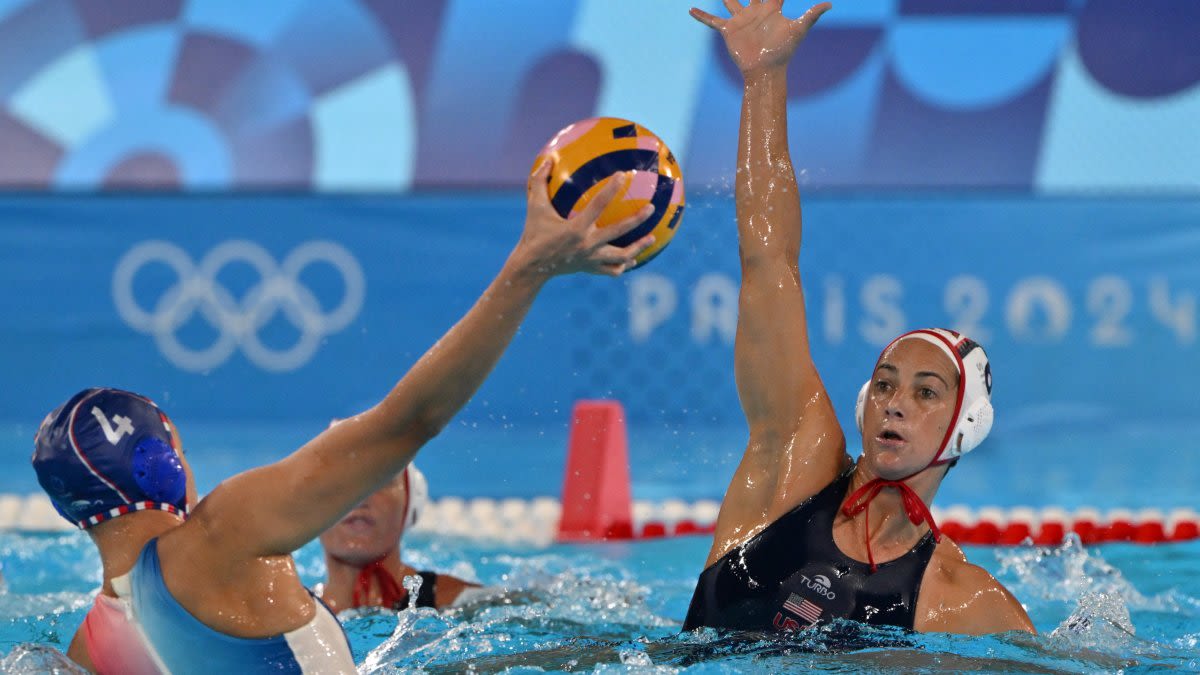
{"x": 805, "y": 535}
{"x": 362, "y": 553}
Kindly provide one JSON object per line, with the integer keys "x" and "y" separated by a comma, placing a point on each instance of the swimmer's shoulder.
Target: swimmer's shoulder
{"x": 450, "y": 591}
{"x": 220, "y": 529}
{"x": 959, "y": 597}
{"x": 210, "y": 576}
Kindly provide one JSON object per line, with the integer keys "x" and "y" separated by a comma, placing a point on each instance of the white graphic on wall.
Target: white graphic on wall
{"x": 278, "y": 293}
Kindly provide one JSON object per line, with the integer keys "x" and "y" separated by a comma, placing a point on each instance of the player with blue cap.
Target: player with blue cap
{"x": 107, "y": 452}
{"x": 211, "y": 586}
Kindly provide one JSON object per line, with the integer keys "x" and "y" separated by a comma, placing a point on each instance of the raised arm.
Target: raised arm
{"x": 278, "y": 508}
{"x": 796, "y": 445}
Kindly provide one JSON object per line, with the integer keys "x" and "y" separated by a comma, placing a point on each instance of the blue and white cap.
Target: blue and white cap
{"x": 108, "y": 452}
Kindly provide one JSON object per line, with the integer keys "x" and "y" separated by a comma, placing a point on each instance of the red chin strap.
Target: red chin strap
{"x": 392, "y": 594}
{"x": 914, "y": 508}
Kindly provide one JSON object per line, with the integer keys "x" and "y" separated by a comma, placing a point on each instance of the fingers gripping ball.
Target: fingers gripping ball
{"x": 585, "y": 155}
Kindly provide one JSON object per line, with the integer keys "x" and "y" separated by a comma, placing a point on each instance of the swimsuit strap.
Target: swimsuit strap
{"x": 914, "y": 508}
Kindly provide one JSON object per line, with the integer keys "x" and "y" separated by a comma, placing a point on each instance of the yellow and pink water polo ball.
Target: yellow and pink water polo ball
{"x": 585, "y": 155}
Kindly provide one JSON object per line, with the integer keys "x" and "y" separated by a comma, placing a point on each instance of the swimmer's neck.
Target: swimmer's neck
{"x": 342, "y": 575}
{"x": 120, "y": 541}
{"x": 888, "y": 520}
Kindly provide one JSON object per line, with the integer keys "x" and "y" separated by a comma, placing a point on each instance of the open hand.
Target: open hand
{"x": 757, "y": 35}
{"x": 554, "y": 245}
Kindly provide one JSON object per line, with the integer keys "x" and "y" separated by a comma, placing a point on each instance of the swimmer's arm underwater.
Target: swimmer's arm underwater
{"x": 278, "y": 508}
{"x": 796, "y": 445}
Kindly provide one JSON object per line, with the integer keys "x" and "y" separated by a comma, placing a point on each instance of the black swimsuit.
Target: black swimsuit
{"x": 426, "y": 595}
{"x": 792, "y": 576}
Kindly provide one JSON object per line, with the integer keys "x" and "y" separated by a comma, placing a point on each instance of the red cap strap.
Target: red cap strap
{"x": 392, "y": 594}
{"x": 914, "y": 508}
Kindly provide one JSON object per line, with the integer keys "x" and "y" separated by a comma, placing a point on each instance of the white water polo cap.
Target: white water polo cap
{"x": 973, "y": 405}
{"x": 417, "y": 490}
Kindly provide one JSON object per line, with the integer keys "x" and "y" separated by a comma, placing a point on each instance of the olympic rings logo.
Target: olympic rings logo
{"x": 278, "y": 292}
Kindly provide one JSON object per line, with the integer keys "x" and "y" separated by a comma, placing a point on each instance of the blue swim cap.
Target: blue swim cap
{"x": 105, "y": 453}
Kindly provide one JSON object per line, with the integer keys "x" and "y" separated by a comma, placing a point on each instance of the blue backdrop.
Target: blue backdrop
{"x": 254, "y": 319}
{"x": 260, "y": 308}
{"x": 1056, "y": 95}
{"x": 233, "y": 308}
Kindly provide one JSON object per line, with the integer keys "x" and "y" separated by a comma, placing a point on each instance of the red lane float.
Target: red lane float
{"x": 596, "y": 503}
{"x": 1047, "y": 527}
{"x": 537, "y": 521}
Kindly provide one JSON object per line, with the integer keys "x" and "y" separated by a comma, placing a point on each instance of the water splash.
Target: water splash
{"x": 34, "y": 659}
{"x": 1070, "y": 573}
{"x": 616, "y": 608}
{"x": 565, "y": 607}
{"x": 634, "y": 659}
{"x": 1100, "y": 628}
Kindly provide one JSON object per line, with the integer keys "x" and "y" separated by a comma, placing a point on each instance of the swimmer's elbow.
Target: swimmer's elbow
{"x": 425, "y": 427}
{"x": 766, "y": 259}
{"x": 411, "y": 425}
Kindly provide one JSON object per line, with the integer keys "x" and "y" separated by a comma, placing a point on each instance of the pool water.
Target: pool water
{"x": 618, "y": 608}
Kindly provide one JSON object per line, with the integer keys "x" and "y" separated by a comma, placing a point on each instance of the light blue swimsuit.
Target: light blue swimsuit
{"x": 180, "y": 643}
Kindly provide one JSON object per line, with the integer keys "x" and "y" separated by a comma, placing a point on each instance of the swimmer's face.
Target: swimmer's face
{"x": 910, "y": 401}
{"x": 371, "y": 529}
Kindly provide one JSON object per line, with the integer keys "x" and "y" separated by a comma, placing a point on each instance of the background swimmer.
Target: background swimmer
{"x": 805, "y": 535}
{"x": 362, "y": 553}
{"x": 380, "y": 127}
{"x": 220, "y": 591}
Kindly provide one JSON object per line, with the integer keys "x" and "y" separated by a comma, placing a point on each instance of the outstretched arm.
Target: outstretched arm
{"x": 796, "y": 445}
{"x": 278, "y": 508}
